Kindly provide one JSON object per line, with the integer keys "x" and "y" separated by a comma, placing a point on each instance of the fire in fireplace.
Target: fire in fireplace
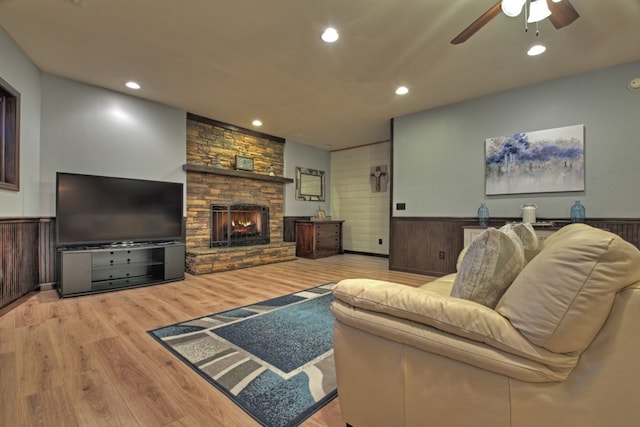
{"x": 239, "y": 225}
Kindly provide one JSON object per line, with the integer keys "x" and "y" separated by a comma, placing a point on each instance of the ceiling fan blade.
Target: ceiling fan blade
{"x": 562, "y": 13}
{"x": 479, "y": 23}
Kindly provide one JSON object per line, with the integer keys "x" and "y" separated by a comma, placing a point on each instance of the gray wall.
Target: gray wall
{"x": 22, "y": 74}
{"x": 305, "y": 156}
{"x": 439, "y": 153}
{"x": 87, "y": 129}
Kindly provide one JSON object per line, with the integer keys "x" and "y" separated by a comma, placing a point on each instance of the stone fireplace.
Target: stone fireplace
{"x": 239, "y": 225}
{"x": 214, "y": 186}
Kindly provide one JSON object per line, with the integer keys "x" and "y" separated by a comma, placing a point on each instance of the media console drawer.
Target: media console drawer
{"x": 100, "y": 269}
{"x": 316, "y": 239}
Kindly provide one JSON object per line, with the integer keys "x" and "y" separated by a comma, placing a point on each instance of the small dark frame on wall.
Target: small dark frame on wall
{"x": 244, "y": 163}
{"x": 9, "y": 137}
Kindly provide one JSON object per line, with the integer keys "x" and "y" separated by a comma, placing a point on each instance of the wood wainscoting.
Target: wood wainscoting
{"x": 430, "y": 245}
{"x": 18, "y": 258}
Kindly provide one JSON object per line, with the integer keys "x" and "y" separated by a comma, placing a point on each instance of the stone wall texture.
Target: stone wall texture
{"x": 210, "y": 144}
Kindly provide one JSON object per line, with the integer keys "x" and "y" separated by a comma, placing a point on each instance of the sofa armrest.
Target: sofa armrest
{"x": 453, "y": 327}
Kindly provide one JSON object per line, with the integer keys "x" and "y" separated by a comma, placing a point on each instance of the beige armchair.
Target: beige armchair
{"x": 560, "y": 348}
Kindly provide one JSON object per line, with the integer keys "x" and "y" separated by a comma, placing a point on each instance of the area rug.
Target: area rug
{"x": 274, "y": 359}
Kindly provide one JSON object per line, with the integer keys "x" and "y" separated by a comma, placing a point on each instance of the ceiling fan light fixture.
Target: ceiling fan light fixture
{"x": 512, "y": 8}
{"x": 538, "y": 10}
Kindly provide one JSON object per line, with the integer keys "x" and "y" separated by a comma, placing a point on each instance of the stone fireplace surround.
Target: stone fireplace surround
{"x": 213, "y": 180}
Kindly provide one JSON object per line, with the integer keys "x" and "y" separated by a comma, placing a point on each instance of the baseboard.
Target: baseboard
{"x": 365, "y": 253}
{"x": 47, "y": 286}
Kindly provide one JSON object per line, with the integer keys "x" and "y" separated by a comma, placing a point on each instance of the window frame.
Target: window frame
{"x": 9, "y": 137}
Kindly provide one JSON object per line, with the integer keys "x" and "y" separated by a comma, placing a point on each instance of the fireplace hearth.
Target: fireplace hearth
{"x": 239, "y": 225}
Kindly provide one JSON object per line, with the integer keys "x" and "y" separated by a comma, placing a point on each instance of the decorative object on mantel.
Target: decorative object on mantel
{"x": 215, "y": 161}
{"x": 483, "y": 215}
{"x": 236, "y": 173}
{"x": 244, "y": 163}
{"x": 378, "y": 178}
{"x": 272, "y": 171}
{"x": 544, "y": 161}
{"x": 577, "y": 212}
{"x": 529, "y": 213}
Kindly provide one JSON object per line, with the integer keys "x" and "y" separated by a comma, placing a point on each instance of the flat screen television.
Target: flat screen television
{"x": 101, "y": 210}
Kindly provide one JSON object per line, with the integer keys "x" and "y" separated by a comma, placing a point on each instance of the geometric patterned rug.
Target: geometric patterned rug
{"x": 274, "y": 359}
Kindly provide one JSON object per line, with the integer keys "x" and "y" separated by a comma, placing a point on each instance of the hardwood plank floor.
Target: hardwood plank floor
{"x": 88, "y": 361}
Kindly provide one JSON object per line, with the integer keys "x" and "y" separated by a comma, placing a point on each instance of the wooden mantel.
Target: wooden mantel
{"x": 236, "y": 173}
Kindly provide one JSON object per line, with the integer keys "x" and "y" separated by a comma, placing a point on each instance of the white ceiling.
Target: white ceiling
{"x": 236, "y": 60}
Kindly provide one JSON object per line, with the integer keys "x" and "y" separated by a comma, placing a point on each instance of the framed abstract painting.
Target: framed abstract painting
{"x": 543, "y": 161}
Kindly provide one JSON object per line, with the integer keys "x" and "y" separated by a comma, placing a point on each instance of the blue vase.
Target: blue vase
{"x": 483, "y": 215}
{"x": 577, "y": 212}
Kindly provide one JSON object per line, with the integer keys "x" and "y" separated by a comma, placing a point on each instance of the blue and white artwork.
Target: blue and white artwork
{"x": 544, "y": 161}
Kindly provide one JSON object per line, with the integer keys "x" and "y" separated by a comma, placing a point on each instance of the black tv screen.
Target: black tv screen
{"x": 106, "y": 210}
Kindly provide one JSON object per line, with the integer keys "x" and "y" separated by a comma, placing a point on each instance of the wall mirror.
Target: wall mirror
{"x": 310, "y": 185}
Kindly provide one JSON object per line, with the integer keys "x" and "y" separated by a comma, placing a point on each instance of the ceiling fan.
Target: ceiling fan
{"x": 562, "y": 14}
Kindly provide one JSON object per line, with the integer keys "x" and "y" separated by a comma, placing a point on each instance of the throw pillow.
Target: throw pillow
{"x": 461, "y": 257}
{"x": 528, "y": 237}
{"x": 492, "y": 261}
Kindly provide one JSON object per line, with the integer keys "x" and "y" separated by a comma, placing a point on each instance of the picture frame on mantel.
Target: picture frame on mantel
{"x": 244, "y": 163}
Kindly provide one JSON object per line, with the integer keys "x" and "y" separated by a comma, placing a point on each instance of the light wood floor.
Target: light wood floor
{"x": 88, "y": 361}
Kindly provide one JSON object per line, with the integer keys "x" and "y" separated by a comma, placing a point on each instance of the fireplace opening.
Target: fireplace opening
{"x": 239, "y": 225}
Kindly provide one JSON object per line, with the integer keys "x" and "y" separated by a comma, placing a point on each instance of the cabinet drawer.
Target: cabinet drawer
{"x": 328, "y": 243}
{"x": 329, "y": 231}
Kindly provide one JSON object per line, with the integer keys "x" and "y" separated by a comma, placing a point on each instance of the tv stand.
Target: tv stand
{"x": 86, "y": 270}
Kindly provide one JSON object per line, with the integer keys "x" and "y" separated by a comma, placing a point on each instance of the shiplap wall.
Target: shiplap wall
{"x": 366, "y": 214}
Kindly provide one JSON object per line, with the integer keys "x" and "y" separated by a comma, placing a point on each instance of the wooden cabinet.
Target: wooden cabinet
{"x": 316, "y": 239}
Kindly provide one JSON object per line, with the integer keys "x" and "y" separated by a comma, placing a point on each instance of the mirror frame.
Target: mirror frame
{"x": 303, "y": 174}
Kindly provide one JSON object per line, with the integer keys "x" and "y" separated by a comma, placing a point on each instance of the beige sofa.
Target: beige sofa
{"x": 560, "y": 348}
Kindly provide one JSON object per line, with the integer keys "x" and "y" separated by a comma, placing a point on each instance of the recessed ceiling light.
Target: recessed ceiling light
{"x": 402, "y": 90}
{"x": 256, "y": 122}
{"x": 634, "y": 84}
{"x": 132, "y": 85}
{"x": 330, "y": 35}
{"x": 536, "y": 50}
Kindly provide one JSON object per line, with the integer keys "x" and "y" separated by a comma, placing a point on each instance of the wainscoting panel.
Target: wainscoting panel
{"x": 426, "y": 245}
{"x": 430, "y": 245}
{"x": 47, "y": 264}
{"x": 19, "y": 255}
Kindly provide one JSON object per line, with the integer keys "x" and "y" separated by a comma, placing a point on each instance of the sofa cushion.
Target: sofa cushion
{"x": 488, "y": 267}
{"x": 406, "y": 314}
{"x": 563, "y": 296}
{"x": 528, "y": 237}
